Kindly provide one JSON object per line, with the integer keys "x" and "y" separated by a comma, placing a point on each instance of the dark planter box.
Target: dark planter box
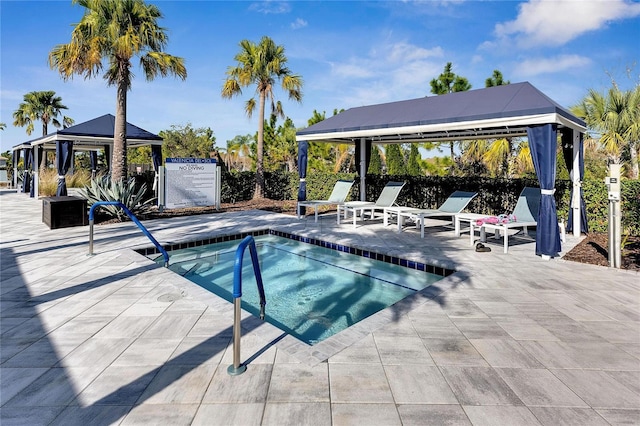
{"x": 64, "y": 212}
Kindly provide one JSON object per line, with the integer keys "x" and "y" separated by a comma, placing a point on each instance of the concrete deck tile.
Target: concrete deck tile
{"x": 364, "y": 383}
{"x": 568, "y": 416}
{"x": 585, "y": 354}
{"x": 34, "y": 416}
{"x": 231, "y": 414}
{"x": 615, "y": 331}
{"x": 436, "y": 415}
{"x": 298, "y": 383}
{"x": 171, "y": 326}
{"x": 155, "y": 414}
{"x": 479, "y": 386}
{"x": 621, "y": 417}
{"x": 598, "y": 389}
{"x": 200, "y": 350}
{"x": 402, "y": 350}
{"x": 55, "y": 387}
{"x": 539, "y": 387}
{"x": 505, "y": 353}
{"x": 630, "y": 379}
{"x": 250, "y": 387}
{"x": 418, "y": 384}
{"x": 16, "y": 379}
{"x": 436, "y": 328}
{"x": 96, "y": 353}
{"x": 177, "y": 384}
{"x": 46, "y": 352}
{"x": 571, "y": 331}
{"x": 151, "y": 352}
{"x": 481, "y": 328}
{"x": 454, "y": 352}
{"x": 107, "y": 388}
{"x": 364, "y": 351}
{"x": 501, "y": 415}
{"x": 125, "y": 327}
{"x": 95, "y": 415}
{"x": 365, "y": 414}
{"x": 526, "y": 330}
{"x": 297, "y": 413}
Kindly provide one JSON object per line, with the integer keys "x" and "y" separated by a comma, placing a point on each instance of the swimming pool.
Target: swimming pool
{"x": 312, "y": 292}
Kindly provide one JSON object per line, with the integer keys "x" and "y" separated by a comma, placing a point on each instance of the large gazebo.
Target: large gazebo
{"x": 513, "y": 110}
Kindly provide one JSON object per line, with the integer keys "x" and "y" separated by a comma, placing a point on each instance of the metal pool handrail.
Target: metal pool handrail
{"x": 133, "y": 218}
{"x": 238, "y": 368}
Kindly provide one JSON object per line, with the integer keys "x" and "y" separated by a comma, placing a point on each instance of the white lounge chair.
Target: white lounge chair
{"x": 387, "y": 198}
{"x": 525, "y": 213}
{"x": 338, "y": 196}
{"x": 453, "y": 205}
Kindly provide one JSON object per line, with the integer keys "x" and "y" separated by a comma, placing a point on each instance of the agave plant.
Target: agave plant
{"x": 103, "y": 189}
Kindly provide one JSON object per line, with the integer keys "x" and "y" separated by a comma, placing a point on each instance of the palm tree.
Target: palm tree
{"x": 42, "y": 106}
{"x": 448, "y": 82}
{"x": 117, "y": 30}
{"x": 616, "y": 116}
{"x": 261, "y": 65}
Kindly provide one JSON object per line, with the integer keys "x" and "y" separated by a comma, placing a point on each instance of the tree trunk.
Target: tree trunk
{"x": 43, "y": 159}
{"x": 259, "y": 192}
{"x": 633, "y": 153}
{"x": 119, "y": 155}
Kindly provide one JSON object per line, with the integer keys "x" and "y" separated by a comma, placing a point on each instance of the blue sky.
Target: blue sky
{"x": 349, "y": 54}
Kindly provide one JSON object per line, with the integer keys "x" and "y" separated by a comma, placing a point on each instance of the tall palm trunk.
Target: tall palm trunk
{"x": 43, "y": 160}
{"x": 633, "y": 153}
{"x": 259, "y": 192}
{"x": 119, "y": 156}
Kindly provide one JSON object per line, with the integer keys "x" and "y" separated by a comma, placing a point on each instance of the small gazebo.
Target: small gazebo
{"x": 92, "y": 136}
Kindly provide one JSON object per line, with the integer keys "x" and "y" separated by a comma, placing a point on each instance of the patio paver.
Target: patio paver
{"x": 116, "y": 339}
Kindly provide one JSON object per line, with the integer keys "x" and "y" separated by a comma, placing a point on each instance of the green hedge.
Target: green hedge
{"x": 495, "y": 196}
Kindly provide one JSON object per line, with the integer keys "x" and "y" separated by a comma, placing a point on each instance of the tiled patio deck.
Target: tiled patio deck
{"x": 509, "y": 339}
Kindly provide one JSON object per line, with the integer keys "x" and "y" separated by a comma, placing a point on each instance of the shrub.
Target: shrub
{"x": 102, "y": 189}
{"x": 48, "y": 181}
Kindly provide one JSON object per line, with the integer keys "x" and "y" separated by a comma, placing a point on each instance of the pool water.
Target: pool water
{"x": 312, "y": 292}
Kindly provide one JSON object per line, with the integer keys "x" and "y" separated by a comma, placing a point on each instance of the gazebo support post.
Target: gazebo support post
{"x": 575, "y": 202}
{"x": 363, "y": 170}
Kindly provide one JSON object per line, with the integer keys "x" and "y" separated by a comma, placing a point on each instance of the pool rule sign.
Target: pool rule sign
{"x": 191, "y": 182}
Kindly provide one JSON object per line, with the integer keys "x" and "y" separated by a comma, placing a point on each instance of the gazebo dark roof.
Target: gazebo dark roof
{"x": 96, "y": 133}
{"x": 491, "y": 112}
{"x": 103, "y": 127}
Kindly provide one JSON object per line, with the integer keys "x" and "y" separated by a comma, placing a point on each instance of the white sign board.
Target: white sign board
{"x": 191, "y": 182}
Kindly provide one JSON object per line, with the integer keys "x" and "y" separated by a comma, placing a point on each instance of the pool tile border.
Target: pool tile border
{"x": 425, "y": 267}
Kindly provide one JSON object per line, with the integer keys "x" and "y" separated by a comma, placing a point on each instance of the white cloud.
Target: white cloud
{"x": 554, "y": 23}
{"x": 298, "y": 23}
{"x": 562, "y": 63}
{"x": 389, "y": 72}
{"x": 270, "y": 6}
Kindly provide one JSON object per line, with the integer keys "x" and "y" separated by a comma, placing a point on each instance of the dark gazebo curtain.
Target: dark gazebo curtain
{"x": 93, "y": 162}
{"x": 567, "y": 153}
{"x": 107, "y": 158}
{"x": 16, "y": 160}
{"x": 303, "y": 152}
{"x": 156, "y": 157}
{"x": 64, "y": 150}
{"x": 26, "y": 180}
{"x": 32, "y": 175}
{"x": 542, "y": 143}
